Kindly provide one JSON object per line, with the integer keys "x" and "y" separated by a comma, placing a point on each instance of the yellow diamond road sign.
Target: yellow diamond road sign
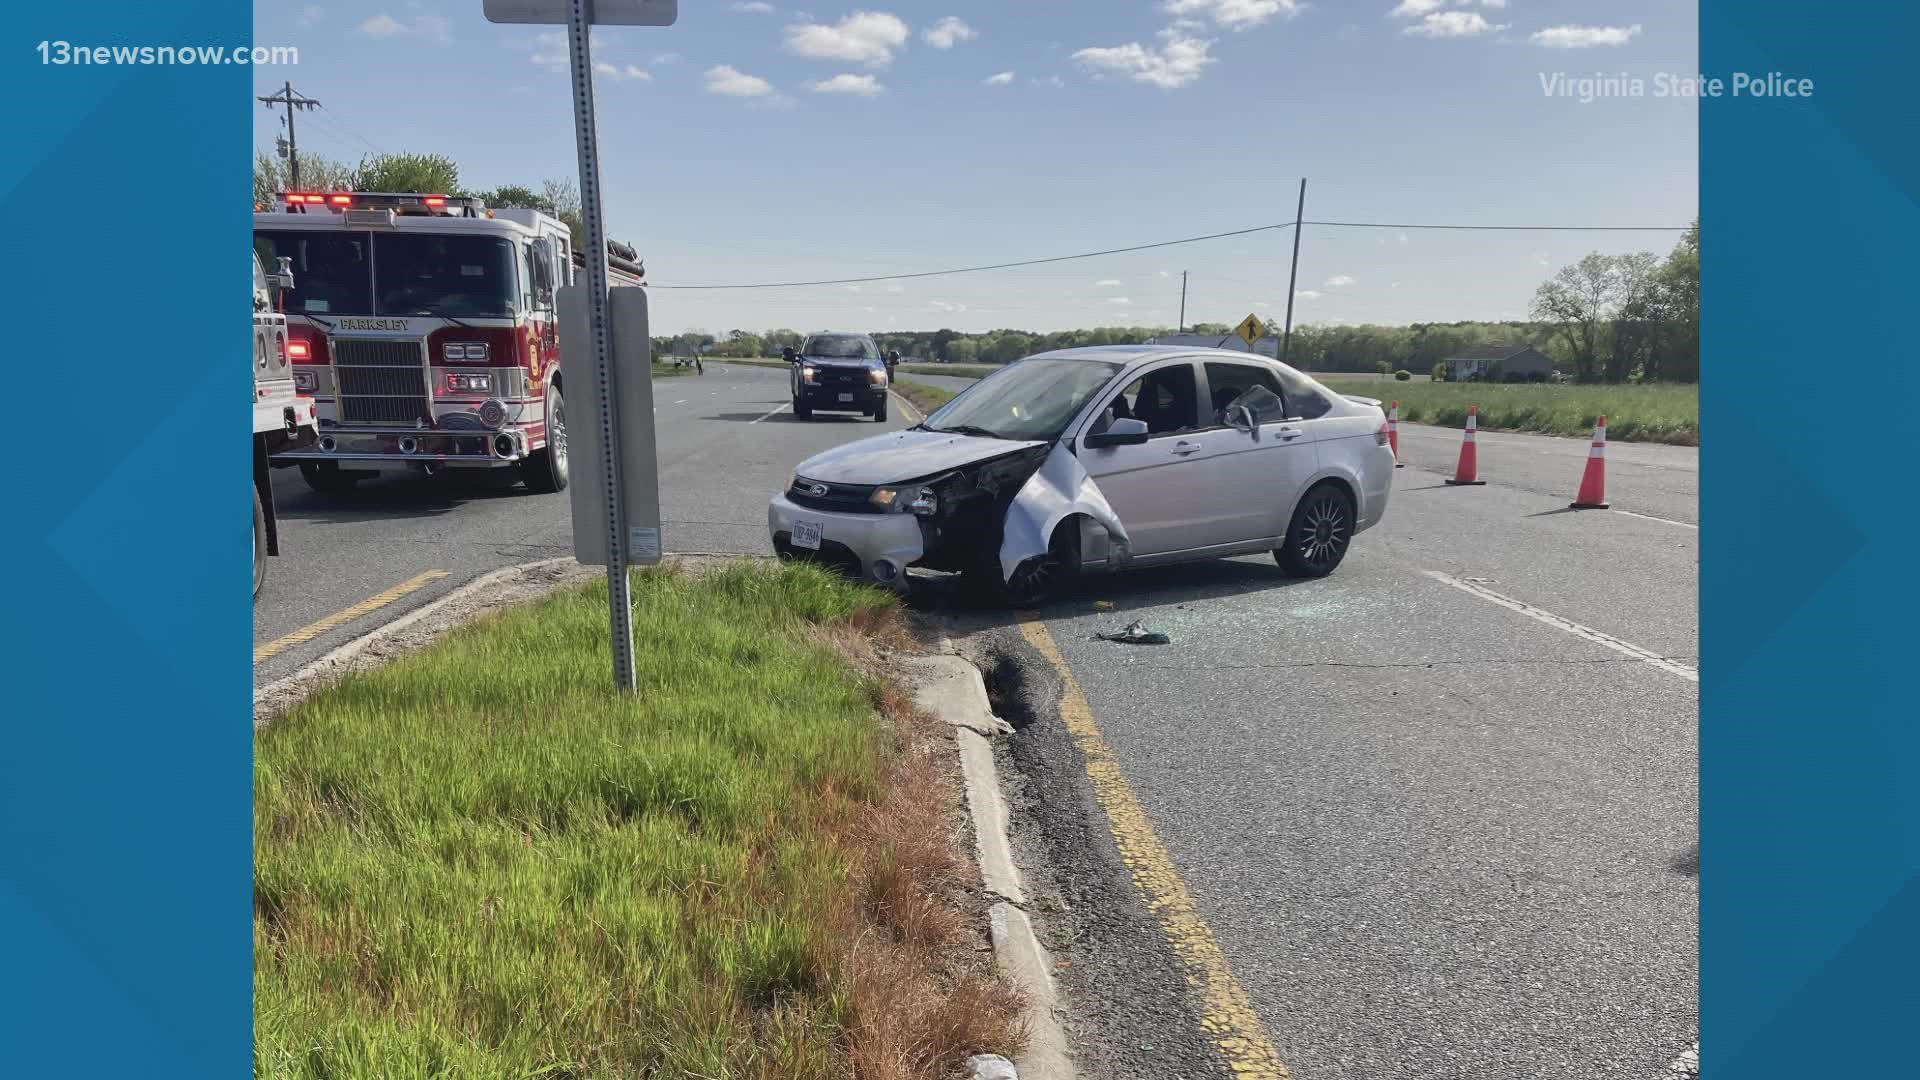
{"x": 1251, "y": 329}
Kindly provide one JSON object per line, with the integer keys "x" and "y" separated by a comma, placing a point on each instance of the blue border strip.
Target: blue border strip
{"x": 125, "y": 776}
{"x": 1809, "y": 747}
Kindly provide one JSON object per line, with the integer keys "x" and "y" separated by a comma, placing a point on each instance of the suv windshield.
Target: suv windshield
{"x": 1033, "y": 399}
{"x": 840, "y": 347}
{"x": 417, "y": 273}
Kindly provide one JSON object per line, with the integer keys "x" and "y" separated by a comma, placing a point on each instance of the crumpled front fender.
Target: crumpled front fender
{"x": 1059, "y": 489}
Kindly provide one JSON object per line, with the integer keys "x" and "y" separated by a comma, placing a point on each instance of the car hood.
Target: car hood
{"x": 823, "y": 361}
{"x": 904, "y": 455}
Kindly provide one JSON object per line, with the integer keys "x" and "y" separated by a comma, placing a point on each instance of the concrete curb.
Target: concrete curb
{"x": 952, "y": 689}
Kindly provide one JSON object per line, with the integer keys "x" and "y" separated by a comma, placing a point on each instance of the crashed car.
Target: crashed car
{"x": 1097, "y": 459}
{"x": 838, "y": 373}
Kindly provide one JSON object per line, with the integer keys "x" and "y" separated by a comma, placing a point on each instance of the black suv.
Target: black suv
{"x": 834, "y": 372}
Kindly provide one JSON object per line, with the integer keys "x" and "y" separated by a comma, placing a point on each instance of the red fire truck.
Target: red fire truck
{"x": 424, "y": 328}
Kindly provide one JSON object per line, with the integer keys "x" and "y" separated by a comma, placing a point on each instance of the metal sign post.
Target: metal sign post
{"x": 579, "y": 16}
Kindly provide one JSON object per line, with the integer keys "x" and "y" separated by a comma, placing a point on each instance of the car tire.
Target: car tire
{"x": 259, "y": 544}
{"x": 1319, "y": 534}
{"x": 547, "y": 469}
{"x": 1039, "y": 580}
{"x": 327, "y": 478}
{"x": 880, "y": 411}
{"x": 801, "y": 410}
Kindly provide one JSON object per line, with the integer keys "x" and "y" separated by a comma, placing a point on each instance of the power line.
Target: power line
{"x": 1173, "y": 243}
{"x": 333, "y": 121}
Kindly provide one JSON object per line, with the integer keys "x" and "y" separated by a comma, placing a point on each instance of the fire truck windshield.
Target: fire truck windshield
{"x": 364, "y": 273}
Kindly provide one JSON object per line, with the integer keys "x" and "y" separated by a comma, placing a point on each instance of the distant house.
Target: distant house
{"x": 1499, "y": 362}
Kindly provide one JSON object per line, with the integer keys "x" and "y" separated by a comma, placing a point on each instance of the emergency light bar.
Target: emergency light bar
{"x": 398, "y": 202}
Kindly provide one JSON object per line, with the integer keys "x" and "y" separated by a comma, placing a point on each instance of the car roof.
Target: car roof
{"x": 838, "y": 333}
{"x": 1130, "y": 354}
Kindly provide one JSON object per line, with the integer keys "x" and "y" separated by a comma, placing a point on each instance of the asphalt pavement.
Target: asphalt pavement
{"x": 726, "y": 443}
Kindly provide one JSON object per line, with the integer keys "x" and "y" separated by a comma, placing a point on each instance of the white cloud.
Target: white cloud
{"x": 1107, "y": 283}
{"x": 947, "y": 33}
{"x": 621, "y": 72}
{"x": 864, "y": 85}
{"x": 1307, "y": 294}
{"x": 1414, "y": 9}
{"x": 1166, "y": 273}
{"x": 1261, "y": 304}
{"x": 867, "y": 37}
{"x": 1001, "y": 79}
{"x": 312, "y": 14}
{"x": 1338, "y": 280}
{"x": 853, "y": 288}
{"x": 665, "y": 58}
{"x": 895, "y": 287}
{"x": 754, "y": 7}
{"x": 728, "y": 81}
{"x": 1174, "y": 64}
{"x": 942, "y": 305}
{"x": 1395, "y": 285}
{"x": 1403, "y": 238}
{"x": 1585, "y": 37}
{"x": 434, "y": 28}
{"x": 1052, "y": 82}
{"x": 1234, "y": 14}
{"x": 1119, "y": 301}
{"x": 1453, "y": 24}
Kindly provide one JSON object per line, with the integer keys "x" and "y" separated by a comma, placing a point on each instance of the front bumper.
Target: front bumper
{"x": 826, "y": 396}
{"x": 397, "y": 447}
{"x": 876, "y": 548}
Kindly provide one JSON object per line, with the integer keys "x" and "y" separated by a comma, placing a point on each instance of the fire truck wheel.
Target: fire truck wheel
{"x": 545, "y": 470}
{"x": 259, "y": 544}
{"x": 326, "y": 477}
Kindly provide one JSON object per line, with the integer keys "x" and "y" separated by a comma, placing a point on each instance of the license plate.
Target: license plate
{"x": 806, "y": 534}
{"x": 846, "y": 397}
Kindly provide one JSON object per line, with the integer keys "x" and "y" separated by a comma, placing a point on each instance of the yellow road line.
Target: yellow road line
{"x": 1227, "y": 1012}
{"x": 917, "y": 415}
{"x": 340, "y": 618}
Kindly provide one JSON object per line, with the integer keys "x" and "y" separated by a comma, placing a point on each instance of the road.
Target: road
{"x": 1437, "y": 811}
{"x": 725, "y": 443}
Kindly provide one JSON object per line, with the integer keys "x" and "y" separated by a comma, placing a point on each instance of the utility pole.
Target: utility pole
{"x": 1183, "y": 301}
{"x": 294, "y": 102}
{"x": 1300, "y": 211}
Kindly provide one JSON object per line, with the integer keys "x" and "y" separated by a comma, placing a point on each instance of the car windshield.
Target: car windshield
{"x": 416, "y": 273}
{"x": 840, "y": 347}
{"x": 1033, "y": 399}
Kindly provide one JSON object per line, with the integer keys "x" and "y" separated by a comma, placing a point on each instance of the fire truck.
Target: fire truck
{"x": 424, "y": 328}
{"x": 283, "y": 419}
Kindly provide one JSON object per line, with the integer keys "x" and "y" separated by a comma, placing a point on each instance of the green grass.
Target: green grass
{"x": 479, "y": 862}
{"x": 667, "y": 371}
{"x": 925, "y": 398}
{"x": 962, "y": 371}
{"x": 1662, "y": 412}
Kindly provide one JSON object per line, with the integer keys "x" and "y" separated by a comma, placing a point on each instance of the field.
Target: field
{"x": 1663, "y": 412}
{"x": 480, "y": 862}
{"x": 925, "y": 398}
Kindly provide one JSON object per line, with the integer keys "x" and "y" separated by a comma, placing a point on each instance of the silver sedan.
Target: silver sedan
{"x": 1092, "y": 460}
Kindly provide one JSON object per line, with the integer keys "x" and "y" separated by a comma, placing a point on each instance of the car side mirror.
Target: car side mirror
{"x": 893, "y": 357}
{"x": 787, "y": 354}
{"x": 1125, "y": 431}
{"x": 1240, "y": 418}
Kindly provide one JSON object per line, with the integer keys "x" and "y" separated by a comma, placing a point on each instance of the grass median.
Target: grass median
{"x": 478, "y": 861}
{"x": 921, "y": 396}
{"x": 1659, "y": 412}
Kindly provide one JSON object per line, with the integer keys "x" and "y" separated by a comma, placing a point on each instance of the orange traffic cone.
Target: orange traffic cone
{"x": 1593, "y": 484}
{"x": 1467, "y": 472}
{"x": 1393, "y": 434}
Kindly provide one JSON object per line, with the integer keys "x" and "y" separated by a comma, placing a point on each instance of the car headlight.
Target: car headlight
{"x": 909, "y": 499}
{"x": 806, "y": 373}
{"x": 878, "y": 375}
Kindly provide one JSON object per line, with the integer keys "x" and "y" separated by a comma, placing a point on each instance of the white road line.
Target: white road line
{"x": 775, "y": 412}
{"x": 1647, "y": 656}
{"x": 682, "y": 401}
{"x": 1650, "y": 517}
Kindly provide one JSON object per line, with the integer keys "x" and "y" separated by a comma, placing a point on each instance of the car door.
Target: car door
{"x": 1262, "y": 471}
{"x": 1151, "y": 485}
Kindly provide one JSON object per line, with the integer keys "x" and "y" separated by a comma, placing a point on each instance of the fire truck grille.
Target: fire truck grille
{"x": 380, "y": 380}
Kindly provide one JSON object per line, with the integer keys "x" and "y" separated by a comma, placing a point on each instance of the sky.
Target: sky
{"x": 766, "y": 141}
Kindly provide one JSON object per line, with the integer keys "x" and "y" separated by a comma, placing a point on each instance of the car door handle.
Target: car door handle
{"x": 1185, "y": 447}
{"x": 1289, "y": 432}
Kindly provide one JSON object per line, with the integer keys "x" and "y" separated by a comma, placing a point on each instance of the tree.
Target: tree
{"x": 431, "y": 174}
{"x": 1581, "y": 300}
{"x": 271, "y": 175}
{"x": 563, "y": 201}
{"x": 962, "y": 350}
{"x": 516, "y": 197}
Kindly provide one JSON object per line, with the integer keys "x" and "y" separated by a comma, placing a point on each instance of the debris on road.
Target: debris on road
{"x": 1136, "y": 634}
{"x": 991, "y": 1067}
